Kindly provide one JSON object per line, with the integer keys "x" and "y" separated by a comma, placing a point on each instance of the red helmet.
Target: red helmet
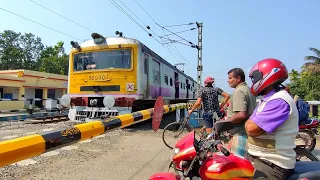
{"x": 265, "y": 73}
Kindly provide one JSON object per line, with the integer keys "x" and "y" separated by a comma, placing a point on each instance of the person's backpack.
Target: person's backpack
{"x": 303, "y": 109}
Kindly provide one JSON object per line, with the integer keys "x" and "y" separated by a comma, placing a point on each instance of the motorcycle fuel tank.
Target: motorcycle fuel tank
{"x": 226, "y": 167}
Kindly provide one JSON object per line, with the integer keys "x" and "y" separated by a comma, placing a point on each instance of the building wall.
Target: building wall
{"x": 24, "y": 82}
{"x": 10, "y": 105}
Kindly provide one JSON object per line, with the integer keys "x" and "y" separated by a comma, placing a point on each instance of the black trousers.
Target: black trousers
{"x": 266, "y": 170}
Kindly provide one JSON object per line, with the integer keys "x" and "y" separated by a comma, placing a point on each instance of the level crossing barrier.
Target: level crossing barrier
{"x": 21, "y": 148}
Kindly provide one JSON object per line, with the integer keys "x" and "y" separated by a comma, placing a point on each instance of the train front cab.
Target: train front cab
{"x": 102, "y": 78}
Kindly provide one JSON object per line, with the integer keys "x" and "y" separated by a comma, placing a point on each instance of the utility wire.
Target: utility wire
{"x": 137, "y": 17}
{"x": 63, "y": 16}
{"x": 40, "y": 24}
{"x": 169, "y": 50}
{"x": 183, "y": 58}
{"x": 179, "y": 25}
{"x": 122, "y": 10}
{"x": 177, "y": 32}
{"x": 145, "y": 11}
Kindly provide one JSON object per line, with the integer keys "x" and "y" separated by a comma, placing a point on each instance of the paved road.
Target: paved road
{"x": 120, "y": 154}
{"x": 117, "y": 155}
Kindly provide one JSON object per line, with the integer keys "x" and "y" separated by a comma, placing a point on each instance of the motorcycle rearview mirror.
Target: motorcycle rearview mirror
{"x": 221, "y": 126}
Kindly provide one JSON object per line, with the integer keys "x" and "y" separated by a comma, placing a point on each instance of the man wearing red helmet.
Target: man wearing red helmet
{"x": 273, "y": 126}
{"x": 209, "y": 96}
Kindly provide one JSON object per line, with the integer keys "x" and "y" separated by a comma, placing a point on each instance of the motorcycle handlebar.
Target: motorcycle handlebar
{"x": 223, "y": 150}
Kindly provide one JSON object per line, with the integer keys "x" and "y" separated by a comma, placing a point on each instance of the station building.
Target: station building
{"x": 21, "y": 83}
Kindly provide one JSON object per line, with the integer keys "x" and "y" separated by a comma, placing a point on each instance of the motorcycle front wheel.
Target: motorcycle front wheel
{"x": 309, "y": 140}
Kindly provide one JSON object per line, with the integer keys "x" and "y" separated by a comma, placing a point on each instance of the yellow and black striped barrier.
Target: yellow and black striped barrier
{"x": 18, "y": 149}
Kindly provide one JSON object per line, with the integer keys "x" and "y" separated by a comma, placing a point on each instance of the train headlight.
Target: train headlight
{"x": 108, "y": 101}
{"x": 98, "y": 38}
{"x": 65, "y": 100}
{"x": 75, "y": 45}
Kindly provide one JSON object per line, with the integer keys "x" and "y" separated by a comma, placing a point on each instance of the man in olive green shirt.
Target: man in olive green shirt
{"x": 242, "y": 105}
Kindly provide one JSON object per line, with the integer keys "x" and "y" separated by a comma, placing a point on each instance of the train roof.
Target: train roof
{"x": 124, "y": 40}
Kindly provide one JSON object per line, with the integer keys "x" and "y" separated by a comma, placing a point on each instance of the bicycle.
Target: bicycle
{"x": 180, "y": 127}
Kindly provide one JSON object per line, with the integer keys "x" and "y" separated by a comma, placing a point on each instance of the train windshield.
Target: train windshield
{"x": 111, "y": 59}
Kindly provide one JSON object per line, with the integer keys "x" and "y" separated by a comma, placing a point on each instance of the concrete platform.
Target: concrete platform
{"x": 24, "y": 116}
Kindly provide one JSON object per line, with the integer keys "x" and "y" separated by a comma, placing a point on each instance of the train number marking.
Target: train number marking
{"x": 97, "y": 77}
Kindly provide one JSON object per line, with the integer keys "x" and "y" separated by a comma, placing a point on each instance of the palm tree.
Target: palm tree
{"x": 313, "y": 65}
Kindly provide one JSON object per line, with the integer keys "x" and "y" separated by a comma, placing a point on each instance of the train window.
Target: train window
{"x": 146, "y": 65}
{"x": 110, "y": 59}
{"x": 166, "y": 79}
{"x": 181, "y": 85}
{"x": 171, "y": 83}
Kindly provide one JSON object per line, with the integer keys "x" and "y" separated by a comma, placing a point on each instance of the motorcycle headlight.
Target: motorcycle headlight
{"x": 176, "y": 150}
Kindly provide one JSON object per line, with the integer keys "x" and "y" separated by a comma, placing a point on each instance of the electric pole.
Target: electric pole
{"x": 199, "y": 67}
{"x": 199, "y": 47}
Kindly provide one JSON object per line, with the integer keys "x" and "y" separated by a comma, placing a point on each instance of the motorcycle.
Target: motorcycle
{"x": 308, "y": 131}
{"x": 208, "y": 159}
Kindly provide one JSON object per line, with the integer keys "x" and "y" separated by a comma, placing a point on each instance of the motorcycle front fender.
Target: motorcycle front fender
{"x": 164, "y": 176}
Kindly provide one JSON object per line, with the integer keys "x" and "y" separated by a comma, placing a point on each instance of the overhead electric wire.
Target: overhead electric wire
{"x": 39, "y": 23}
{"x": 63, "y": 16}
{"x": 145, "y": 11}
{"x": 177, "y": 32}
{"x": 137, "y": 17}
{"x": 156, "y": 23}
{"x": 183, "y": 58}
{"x": 122, "y": 10}
{"x": 168, "y": 49}
{"x": 180, "y": 25}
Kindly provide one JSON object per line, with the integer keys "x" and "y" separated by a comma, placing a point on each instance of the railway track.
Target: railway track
{"x": 47, "y": 119}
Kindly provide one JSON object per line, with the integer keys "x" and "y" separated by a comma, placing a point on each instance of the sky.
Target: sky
{"x": 235, "y": 33}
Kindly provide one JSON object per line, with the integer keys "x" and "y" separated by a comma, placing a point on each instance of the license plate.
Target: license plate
{"x": 99, "y": 77}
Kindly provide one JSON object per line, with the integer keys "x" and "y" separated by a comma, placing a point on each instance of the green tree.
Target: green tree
{"x": 54, "y": 60}
{"x": 19, "y": 51}
{"x": 313, "y": 64}
{"x": 305, "y": 84}
{"x": 10, "y": 51}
